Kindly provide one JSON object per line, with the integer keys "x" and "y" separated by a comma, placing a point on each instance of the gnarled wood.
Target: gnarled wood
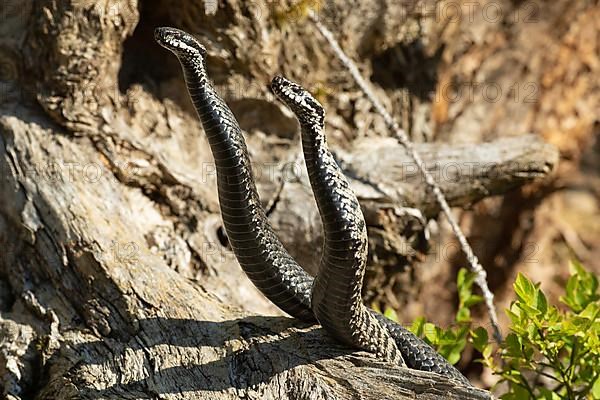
{"x": 127, "y": 326}
{"x": 108, "y": 208}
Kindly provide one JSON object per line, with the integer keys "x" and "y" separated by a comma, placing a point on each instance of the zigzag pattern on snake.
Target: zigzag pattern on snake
{"x": 334, "y": 296}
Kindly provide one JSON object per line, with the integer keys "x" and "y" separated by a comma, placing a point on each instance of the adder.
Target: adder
{"x": 333, "y": 297}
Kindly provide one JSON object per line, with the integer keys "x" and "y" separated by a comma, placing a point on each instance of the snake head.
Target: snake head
{"x": 299, "y": 100}
{"x": 179, "y": 42}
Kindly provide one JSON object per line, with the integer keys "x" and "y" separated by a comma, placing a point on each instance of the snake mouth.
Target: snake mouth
{"x": 178, "y": 41}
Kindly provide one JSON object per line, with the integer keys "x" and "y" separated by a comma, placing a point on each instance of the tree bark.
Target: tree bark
{"x": 115, "y": 277}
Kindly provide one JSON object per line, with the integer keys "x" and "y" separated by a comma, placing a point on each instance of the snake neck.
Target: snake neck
{"x": 235, "y": 178}
{"x": 256, "y": 247}
{"x": 345, "y": 235}
{"x": 336, "y": 294}
{"x": 221, "y": 127}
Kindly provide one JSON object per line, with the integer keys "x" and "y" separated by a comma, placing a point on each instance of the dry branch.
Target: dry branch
{"x": 386, "y": 182}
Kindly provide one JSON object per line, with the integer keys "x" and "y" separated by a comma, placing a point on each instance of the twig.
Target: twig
{"x": 481, "y": 276}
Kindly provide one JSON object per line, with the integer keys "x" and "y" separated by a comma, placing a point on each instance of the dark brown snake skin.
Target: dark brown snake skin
{"x": 335, "y": 295}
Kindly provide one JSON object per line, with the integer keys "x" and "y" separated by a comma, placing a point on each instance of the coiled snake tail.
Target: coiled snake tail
{"x": 336, "y": 294}
{"x": 345, "y": 247}
{"x": 256, "y": 247}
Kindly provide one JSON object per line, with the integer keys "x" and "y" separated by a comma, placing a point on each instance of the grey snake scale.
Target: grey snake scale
{"x": 333, "y": 297}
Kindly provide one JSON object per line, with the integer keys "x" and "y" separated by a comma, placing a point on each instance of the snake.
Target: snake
{"x": 332, "y": 298}
{"x": 336, "y": 297}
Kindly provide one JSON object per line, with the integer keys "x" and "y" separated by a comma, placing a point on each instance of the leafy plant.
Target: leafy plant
{"x": 451, "y": 342}
{"x": 550, "y": 353}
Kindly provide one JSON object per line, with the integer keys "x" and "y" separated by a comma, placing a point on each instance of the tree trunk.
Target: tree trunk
{"x": 115, "y": 277}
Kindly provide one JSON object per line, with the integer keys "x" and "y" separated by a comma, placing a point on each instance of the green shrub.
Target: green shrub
{"x": 452, "y": 341}
{"x": 550, "y": 353}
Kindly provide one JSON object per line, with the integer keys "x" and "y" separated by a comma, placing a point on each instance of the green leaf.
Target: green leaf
{"x": 473, "y": 300}
{"x": 512, "y": 345}
{"x": 454, "y": 355}
{"x": 564, "y": 344}
{"x": 447, "y": 337}
{"x": 391, "y": 314}
{"x": 461, "y": 278}
{"x": 590, "y": 312}
{"x": 417, "y": 326}
{"x": 375, "y": 307}
{"x": 487, "y": 352}
{"x": 431, "y": 333}
{"x": 582, "y": 288}
{"x": 517, "y": 393}
{"x": 515, "y": 315}
{"x": 512, "y": 375}
{"x": 464, "y": 284}
{"x": 521, "y": 392}
{"x": 479, "y": 338}
{"x": 596, "y": 389}
{"x": 463, "y": 332}
{"x": 524, "y": 289}
{"x": 463, "y": 315}
{"x": 528, "y": 309}
{"x": 452, "y": 344}
{"x": 541, "y": 302}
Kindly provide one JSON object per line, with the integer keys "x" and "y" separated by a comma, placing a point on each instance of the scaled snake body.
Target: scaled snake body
{"x": 333, "y": 297}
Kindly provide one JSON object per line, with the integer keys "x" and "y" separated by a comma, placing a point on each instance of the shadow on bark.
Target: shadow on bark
{"x": 254, "y": 360}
